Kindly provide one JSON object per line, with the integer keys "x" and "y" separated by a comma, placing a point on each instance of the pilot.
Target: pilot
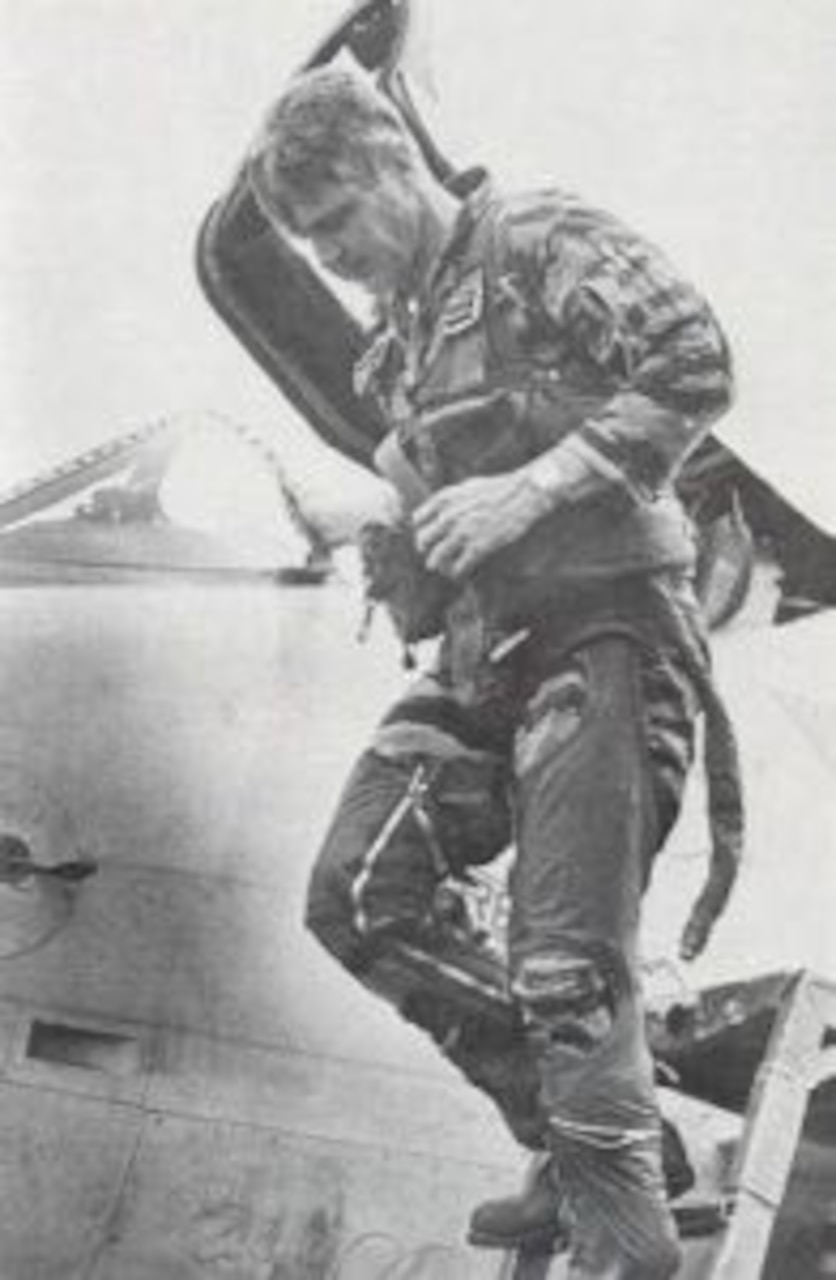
{"x": 544, "y": 372}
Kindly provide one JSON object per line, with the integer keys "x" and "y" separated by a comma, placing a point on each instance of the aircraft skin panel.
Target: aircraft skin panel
{"x": 60, "y": 1159}
{"x": 276, "y": 1207}
{"x": 166, "y": 1197}
{"x": 362, "y": 1104}
{"x": 9, "y": 1023}
{"x": 222, "y": 1141}
{"x": 216, "y": 958}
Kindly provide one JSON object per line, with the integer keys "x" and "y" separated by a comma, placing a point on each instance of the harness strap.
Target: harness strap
{"x": 721, "y": 761}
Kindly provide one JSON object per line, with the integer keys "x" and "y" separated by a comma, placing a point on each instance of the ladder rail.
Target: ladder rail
{"x": 796, "y": 1062}
{"x": 800, "y": 1057}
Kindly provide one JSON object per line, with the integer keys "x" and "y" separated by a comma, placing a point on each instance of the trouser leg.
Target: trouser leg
{"x": 367, "y": 882}
{"x": 587, "y": 827}
{"x": 371, "y": 899}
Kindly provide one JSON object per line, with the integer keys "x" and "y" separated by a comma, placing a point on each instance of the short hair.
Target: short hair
{"x": 329, "y": 121}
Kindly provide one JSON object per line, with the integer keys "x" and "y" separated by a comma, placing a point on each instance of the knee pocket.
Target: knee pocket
{"x": 566, "y": 1000}
{"x": 471, "y": 811}
{"x": 465, "y": 803}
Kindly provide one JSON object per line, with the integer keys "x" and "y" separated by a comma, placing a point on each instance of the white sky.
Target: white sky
{"x": 707, "y": 124}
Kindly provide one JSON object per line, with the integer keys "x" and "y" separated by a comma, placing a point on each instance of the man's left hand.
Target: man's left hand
{"x": 462, "y": 525}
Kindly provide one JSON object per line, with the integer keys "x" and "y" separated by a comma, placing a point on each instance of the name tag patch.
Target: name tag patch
{"x": 465, "y": 306}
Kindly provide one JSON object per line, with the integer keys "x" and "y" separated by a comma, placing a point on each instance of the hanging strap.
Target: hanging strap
{"x": 721, "y": 762}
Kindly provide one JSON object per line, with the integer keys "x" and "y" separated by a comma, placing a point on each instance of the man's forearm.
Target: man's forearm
{"x": 624, "y": 452}
{"x": 567, "y": 473}
{"x": 463, "y": 524}
{"x": 633, "y": 444}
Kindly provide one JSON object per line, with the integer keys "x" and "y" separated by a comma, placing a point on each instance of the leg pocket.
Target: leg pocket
{"x": 470, "y": 807}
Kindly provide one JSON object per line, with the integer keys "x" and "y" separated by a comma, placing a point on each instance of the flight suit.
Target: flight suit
{"x": 560, "y": 714}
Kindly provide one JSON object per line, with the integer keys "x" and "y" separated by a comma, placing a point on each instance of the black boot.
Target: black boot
{"x": 530, "y": 1220}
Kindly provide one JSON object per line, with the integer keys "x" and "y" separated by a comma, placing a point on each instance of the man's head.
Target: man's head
{"x": 334, "y": 164}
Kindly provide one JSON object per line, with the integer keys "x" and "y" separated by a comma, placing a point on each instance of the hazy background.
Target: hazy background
{"x": 707, "y": 124}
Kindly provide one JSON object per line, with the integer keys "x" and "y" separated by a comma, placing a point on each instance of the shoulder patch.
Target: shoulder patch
{"x": 465, "y": 306}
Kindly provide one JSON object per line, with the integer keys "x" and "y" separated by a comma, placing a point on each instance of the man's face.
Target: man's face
{"x": 365, "y": 233}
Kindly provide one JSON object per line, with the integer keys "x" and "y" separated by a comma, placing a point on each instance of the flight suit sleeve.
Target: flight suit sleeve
{"x": 637, "y": 328}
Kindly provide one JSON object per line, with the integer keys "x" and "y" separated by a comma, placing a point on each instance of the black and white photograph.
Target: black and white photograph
{"x": 417, "y": 710}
